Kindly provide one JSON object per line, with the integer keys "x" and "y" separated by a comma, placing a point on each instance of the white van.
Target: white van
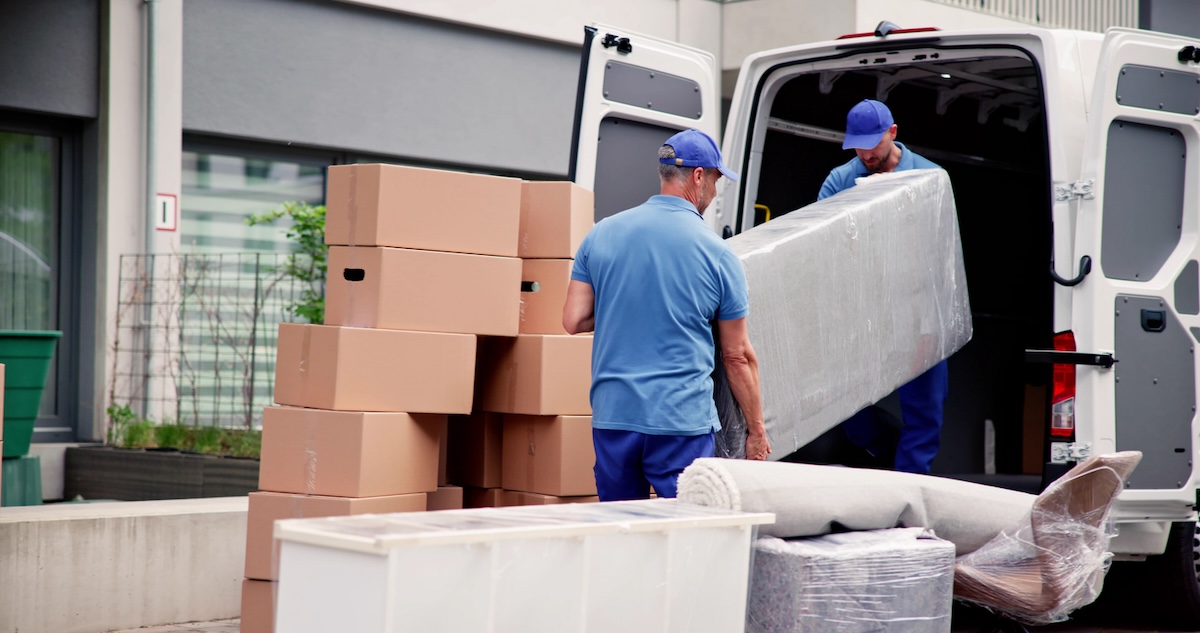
{"x": 1075, "y": 169}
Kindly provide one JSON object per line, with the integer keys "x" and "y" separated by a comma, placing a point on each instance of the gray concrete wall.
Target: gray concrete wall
{"x": 51, "y": 56}
{"x": 1181, "y": 17}
{"x": 364, "y": 80}
{"x": 89, "y": 568}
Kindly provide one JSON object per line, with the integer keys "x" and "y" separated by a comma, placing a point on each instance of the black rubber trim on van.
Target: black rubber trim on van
{"x": 916, "y": 43}
{"x": 589, "y": 34}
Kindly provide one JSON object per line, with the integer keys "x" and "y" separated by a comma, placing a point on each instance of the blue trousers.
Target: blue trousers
{"x": 922, "y": 401}
{"x": 628, "y": 462}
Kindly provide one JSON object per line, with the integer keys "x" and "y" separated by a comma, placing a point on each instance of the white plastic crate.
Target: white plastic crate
{"x": 655, "y": 565}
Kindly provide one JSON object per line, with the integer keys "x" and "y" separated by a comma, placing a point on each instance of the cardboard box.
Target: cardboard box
{"x": 555, "y": 217}
{"x": 258, "y": 606}
{"x": 1033, "y": 430}
{"x": 428, "y": 291}
{"x": 445, "y": 498}
{"x": 430, "y": 209}
{"x": 550, "y": 455}
{"x": 517, "y": 498}
{"x": 349, "y": 453}
{"x": 475, "y": 449}
{"x": 357, "y": 369}
{"x": 268, "y": 507}
{"x": 483, "y": 497}
{"x": 542, "y": 310}
{"x": 536, "y": 374}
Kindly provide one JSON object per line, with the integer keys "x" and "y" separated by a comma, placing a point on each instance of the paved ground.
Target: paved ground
{"x": 233, "y": 626}
{"x": 220, "y": 626}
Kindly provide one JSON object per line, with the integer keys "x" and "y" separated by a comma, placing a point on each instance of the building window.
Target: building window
{"x": 29, "y": 240}
{"x": 29, "y": 229}
{"x": 221, "y": 189}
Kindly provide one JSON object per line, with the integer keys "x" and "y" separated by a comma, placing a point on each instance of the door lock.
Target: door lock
{"x": 1154, "y": 320}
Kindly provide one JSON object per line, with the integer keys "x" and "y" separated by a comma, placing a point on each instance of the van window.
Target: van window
{"x": 980, "y": 115}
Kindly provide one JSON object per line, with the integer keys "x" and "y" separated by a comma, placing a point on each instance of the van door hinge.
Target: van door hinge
{"x": 1063, "y": 452}
{"x": 622, "y": 43}
{"x": 1079, "y": 189}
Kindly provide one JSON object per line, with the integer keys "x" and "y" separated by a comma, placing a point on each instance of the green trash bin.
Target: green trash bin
{"x": 26, "y": 356}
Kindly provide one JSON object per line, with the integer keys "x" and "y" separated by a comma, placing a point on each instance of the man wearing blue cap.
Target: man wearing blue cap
{"x": 871, "y": 133}
{"x": 650, "y": 281}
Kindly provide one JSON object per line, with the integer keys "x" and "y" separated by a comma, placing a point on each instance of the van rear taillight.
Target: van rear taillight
{"x": 922, "y": 29}
{"x": 1062, "y": 402}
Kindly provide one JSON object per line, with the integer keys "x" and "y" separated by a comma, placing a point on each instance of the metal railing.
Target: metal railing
{"x": 1084, "y": 15}
{"x": 195, "y": 335}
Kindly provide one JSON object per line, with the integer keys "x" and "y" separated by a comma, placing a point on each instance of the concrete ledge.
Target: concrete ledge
{"x": 89, "y": 568}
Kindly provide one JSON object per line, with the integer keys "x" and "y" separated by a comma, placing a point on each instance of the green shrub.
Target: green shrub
{"x": 140, "y": 434}
{"x": 241, "y": 443}
{"x": 127, "y": 429}
{"x": 207, "y": 440}
{"x": 172, "y": 436}
{"x": 308, "y": 263}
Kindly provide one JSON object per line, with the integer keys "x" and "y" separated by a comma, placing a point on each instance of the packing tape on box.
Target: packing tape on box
{"x": 305, "y": 350}
{"x": 352, "y": 205}
{"x": 310, "y": 451}
{"x": 353, "y": 273}
{"x": 531, "y": 447}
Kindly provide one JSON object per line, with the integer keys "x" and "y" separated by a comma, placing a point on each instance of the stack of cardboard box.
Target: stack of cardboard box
{"x": 430, "y": 311}
{"x": 529, "y": 439}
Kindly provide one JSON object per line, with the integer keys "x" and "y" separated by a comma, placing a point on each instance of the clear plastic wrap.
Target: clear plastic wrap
{"x": 896, "y": 580}
{"x": 1054, "y": 561}
{"x": 850, "y": 298}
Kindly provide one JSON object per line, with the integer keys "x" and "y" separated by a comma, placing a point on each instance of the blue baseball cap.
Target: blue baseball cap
{"x": 694, "y": 148}
{"x": 866, "y": 123}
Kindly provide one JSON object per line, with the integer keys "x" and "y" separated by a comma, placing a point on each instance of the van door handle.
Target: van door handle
{"x": 1154, "y": 320}
{"x": 1085, "y": 267}
{"x": 1069, "y": 358}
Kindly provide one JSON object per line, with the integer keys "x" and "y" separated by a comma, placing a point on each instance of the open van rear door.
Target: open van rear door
{"x": 635, "y": 91}
{"x": 1139, "y": 214}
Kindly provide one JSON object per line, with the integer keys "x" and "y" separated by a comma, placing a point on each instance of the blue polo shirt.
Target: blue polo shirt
{"x": 842, "y": 177}
{"x": 661, "y": 277}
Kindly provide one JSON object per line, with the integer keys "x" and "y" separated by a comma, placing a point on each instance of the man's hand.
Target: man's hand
{"x": 757, "y": 446}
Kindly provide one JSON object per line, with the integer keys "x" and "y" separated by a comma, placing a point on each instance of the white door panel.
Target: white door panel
{"x": 636, "y": 91}
{"x": 1141, "y": 300}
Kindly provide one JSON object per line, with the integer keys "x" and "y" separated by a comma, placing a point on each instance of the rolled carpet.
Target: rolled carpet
{"x": 810, "y": 500}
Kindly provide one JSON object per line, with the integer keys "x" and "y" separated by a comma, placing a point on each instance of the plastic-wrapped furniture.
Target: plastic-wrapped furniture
{"x": 899, "y": 580}
{"x": 1054, "y": 561}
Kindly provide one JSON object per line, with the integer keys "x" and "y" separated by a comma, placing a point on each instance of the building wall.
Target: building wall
{"x": 918, "y": 13}
{"x": 1181, "y": 17}
{"x": 50, "y": 52}
{"x": 360, "y": 79}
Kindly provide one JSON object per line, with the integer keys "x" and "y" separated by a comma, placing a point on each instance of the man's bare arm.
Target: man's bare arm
{"x": 579, "y": 312}
{"x": 741, "y": 368}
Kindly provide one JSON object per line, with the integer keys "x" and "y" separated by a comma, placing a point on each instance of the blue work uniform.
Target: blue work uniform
{"x": 923, "y": 399}
{"x": 661, "y": 277}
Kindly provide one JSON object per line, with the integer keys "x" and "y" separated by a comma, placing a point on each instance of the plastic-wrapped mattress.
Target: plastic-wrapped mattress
{"x": 850, "y": 298}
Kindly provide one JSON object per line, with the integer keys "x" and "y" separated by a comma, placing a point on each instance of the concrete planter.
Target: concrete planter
{"x": 104, "y": 472}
